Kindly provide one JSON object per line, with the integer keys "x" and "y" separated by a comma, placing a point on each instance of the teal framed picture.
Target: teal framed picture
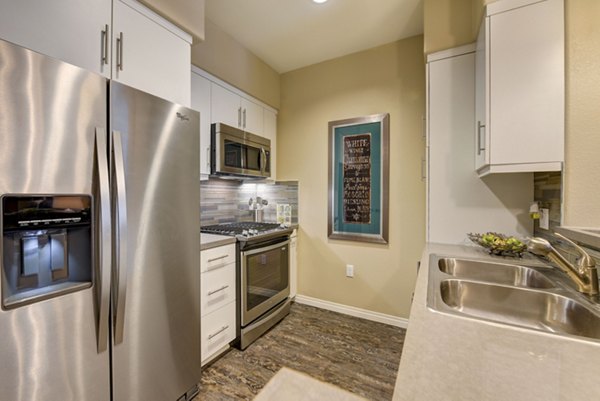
{"x": 359, "y": 179}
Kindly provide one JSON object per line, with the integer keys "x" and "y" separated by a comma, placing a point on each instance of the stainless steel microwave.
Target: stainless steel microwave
{"x": 235, "y": 152}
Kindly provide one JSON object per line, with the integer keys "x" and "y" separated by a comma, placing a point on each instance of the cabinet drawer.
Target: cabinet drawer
{"x": 216, "y": 257}
{"x": 218, "y": 330}
{"x": 218, "y": 288}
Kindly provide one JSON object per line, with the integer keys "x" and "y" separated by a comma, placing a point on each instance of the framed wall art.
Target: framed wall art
{"x": 359, "y": 179}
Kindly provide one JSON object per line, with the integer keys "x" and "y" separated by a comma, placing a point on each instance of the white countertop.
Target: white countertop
{"x": 448, "y": 357}
{"x": 208, "y": 241}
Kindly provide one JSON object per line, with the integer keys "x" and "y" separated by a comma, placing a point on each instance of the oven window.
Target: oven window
{"x": 267, "y": 275}
{"x": 233, "y": 154}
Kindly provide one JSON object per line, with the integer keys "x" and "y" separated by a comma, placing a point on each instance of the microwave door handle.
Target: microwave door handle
{"x": 120, "y": 248}
{"x": 103, "y": 252}
{"x": 263, "y": 162}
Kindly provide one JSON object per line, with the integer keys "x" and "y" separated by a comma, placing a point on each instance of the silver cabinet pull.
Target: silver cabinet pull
{"x": 102, "y": 218}
{"x": 239, "y": 116}
{"x": 120, "y": 247}
{"x": 423, "y": 169}
{"x": 219, "y": 290}
{"x": 120, "y": 52}
{"x": 244, "y": 114}
{"x": 217, "y": 258}
{"x": 222, "y": 329}
{"x": 208, "y": 157}
{"x": 105, "y": 44}
{"x": 480, "y": 140}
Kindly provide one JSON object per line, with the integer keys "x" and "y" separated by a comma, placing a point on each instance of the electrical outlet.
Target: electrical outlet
{"x": 349, "y": 270}
{"x": 545, "y": 219}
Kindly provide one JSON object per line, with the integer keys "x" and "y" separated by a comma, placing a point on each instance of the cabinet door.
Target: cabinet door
{"x": 148, "y": 56}
{"x": 481, "y": 140}
{"x": 527, "y": 84}
{"x": 270, "y": 132}
{"x": 225, "y": 106}
{"x": 69, "y": 30}
{"x": 252, "y": 117}
{"x": 201, "y": 102}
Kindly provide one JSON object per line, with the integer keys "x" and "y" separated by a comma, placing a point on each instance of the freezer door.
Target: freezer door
{"x": 156, "y": 327}
{"x": 51, "y": 348}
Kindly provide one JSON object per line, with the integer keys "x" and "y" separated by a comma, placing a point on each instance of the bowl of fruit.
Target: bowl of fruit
{"x": 499, "y": 244}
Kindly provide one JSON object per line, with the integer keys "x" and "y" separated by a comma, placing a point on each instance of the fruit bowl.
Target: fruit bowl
{"x": 499, "y": 244}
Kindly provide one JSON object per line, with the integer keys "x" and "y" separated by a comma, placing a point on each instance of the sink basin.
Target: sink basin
{"x": 522, "y": 307}
{"x": 498, "y": 273}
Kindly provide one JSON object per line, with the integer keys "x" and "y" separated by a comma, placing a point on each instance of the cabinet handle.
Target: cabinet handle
{"x": 120, "y": 52}
{"x": 423, "y": 169}
{"x": 244, "y": 113}
{"x": 239, "y": 117}
{"x": 480, "y": 140}
{"x": 105, "y": 44}
{"x": 219, "y": 290}
{"x": 217, "y": 258}
{"x": 208, "y": 157}
{"x": 222, "y": 329}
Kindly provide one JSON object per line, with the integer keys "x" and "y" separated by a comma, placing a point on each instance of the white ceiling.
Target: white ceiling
{"x": 290, "y": 34}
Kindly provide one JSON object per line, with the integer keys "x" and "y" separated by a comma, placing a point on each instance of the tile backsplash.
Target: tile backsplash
{"x": 547, "y": 192}
{"x": 225, "y": 201}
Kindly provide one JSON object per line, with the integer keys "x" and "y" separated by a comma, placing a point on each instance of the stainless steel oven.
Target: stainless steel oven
{"x": 235, "y": 152}
{"x": 264, "y": 287}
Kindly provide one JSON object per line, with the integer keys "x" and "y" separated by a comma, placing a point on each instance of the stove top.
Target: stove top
{"x": 247, "y": 230}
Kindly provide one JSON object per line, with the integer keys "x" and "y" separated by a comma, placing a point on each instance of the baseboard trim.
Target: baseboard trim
{"x": 353, "y": 311}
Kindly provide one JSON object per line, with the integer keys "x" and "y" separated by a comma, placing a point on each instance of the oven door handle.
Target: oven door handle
{"x": 268, "y": 248}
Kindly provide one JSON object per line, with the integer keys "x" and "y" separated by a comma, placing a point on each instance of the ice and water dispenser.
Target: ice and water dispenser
{"x": 46, "y": 248}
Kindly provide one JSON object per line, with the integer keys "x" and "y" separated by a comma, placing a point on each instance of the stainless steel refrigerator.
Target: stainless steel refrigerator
{"x": 99, "y": 187}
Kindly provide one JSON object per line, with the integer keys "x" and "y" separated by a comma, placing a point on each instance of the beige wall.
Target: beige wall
{"x": 189, "y": 15}
{"x": 582, "y": 166}
{"x": 447, "y": 24}
{"x": 391, "y": 79}
{"x": 223, "y": 56}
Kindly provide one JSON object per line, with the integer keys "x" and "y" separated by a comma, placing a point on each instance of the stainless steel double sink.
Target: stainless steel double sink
{"x": 530, "y": 297}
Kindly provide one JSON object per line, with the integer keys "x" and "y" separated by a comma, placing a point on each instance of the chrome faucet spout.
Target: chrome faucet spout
{"x": 584, "y": 274}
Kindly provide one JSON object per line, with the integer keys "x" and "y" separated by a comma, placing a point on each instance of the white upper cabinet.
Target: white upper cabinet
{"x": 234, "y": 110}
{"x": 252, "y": 117}
{"x": 201, "y": 102}
{"x": 130, "y": 44}
{"x": 69, "y": 30}
{"x": 226, "y": 107}
{"x": 229, "y": 105}
{"x": 520, "y": 87}
{"x": 148, "y": 55}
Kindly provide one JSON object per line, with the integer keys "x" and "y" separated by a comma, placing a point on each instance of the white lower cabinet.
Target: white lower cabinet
{"x": 217, "y": 301}
{"x": 218, "y": 330}
{"x": 218, "y": 288}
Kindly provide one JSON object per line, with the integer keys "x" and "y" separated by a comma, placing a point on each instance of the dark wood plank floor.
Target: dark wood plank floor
{"x": 355, "y": 354}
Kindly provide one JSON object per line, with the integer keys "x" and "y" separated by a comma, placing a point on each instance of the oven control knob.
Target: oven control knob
{"x": 245, "y": 233}
{"x": 253, "y": 232}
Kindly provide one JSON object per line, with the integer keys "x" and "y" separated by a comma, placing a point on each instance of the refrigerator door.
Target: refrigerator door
{"x": 156, "y": 328}
{"x": 50, "y": 116}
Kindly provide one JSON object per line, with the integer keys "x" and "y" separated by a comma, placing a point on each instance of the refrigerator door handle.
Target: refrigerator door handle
{"x": 120, "y": 237}
{"x": 104, "y": 245}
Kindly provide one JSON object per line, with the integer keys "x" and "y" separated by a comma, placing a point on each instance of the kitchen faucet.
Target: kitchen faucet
{"x": 584, "y": 274}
